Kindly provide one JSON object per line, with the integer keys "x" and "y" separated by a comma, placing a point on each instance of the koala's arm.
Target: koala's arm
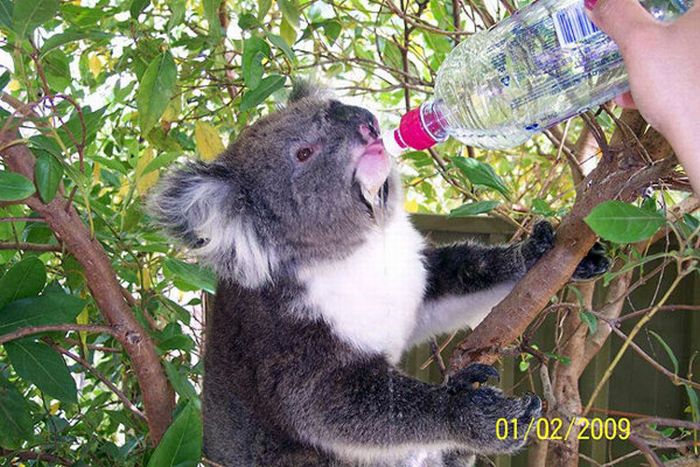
{"x": 368, "y": 408}
{"x": 466, "y": 280}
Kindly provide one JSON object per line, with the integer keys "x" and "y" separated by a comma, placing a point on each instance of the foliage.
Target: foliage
{"x": 112, "y": 92}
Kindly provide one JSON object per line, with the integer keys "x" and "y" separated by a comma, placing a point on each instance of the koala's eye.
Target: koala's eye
{"x": 304, "y": 153}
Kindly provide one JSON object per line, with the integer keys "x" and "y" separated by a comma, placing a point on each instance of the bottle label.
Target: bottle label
{"x": 572, "y": 26}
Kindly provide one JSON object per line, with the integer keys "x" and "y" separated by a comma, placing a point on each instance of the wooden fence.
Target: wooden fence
{"x": 635, "y": 386}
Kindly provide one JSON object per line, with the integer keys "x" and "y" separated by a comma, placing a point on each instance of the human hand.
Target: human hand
{"x": 664, "y": 71}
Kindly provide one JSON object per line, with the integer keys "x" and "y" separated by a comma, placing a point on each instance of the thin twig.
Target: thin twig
{"x": 30, "y": 246}
{"x": 28, "y": 331}
{"x": 122, "y": 397}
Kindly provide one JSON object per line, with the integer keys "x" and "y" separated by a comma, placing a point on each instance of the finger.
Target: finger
{"x": 618, "y": 18}
{"x": 625, "y": 101}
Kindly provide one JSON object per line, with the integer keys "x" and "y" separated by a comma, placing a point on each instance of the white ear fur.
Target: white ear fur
{"x": 196, "y": 208}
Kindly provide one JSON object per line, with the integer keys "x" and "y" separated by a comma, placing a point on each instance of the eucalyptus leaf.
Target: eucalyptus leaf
{"x": 181, "y": 445}
{"x": 590, "y": 320}
{"x": 28, "y": 14}
{"x": 48, "y": 308}
{"x": 24, "y": 279}
{"x": 6, "y": 14}
{"x": 47, "y": 173}
{"x": 267, "y": 86}
{"x": 39, "y": 364}
{"x": 281, "y": 44}
{"x": 254, "y": 50}
{"x": 622, "y": 222}
{"x": 197, "y": 276}
{"x": 480, "y": 173}
{"x": 289, "y": 11}
{"x": 211, "y": 13}
{"x": 15, "y": 187}
{"x": 137, "y": 7}
{"x": 156, "y": 88}
{"x": 16, "y": 423}
{"x": 473, "y": 209}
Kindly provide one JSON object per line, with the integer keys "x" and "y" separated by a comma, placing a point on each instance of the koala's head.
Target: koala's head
{"x": 305, "y": 184}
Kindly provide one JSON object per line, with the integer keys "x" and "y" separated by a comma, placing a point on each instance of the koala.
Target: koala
{"x": 323, "y": 284}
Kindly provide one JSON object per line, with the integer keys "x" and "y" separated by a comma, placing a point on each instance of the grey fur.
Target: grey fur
{"x": 283, "y": 386}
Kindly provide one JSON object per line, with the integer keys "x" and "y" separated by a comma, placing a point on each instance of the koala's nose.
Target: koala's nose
{"x": 369, "y": 131}
{"x": 361, "y": 119}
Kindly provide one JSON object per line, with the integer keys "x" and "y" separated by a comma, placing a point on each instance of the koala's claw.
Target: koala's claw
{"x": 542, "y": 237}
{"x": 539, "y": 243}
{"x": 488, "y": 407}
{"x": 593, "y": 264}
{"x": 474, "y": 373}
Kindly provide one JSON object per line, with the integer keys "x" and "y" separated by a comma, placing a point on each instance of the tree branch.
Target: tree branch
{"x": 28, "y": 331}
{"x": 158, "y": 396}
{"x": 615, "y": 177}
{"x": 120, "y": 395}
{"x": 30, "y": 246}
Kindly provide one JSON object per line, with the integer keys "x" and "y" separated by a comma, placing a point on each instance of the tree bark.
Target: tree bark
{"x": 158, "y": 397}
{"x": 621, "y": 174}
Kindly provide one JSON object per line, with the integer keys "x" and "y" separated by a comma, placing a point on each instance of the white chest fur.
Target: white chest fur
{"x": 370, "y": 299}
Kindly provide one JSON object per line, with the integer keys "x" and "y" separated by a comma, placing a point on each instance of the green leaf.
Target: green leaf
{"x": 57, "y": 69}
{"x": 177, "y": 9}
{"x": 540, "y": 206}
{"x": 263, "y": 8}
{"x": 254, "y": 50}
{"x": 391, "y": 54}
{"x": 156, "y": 88}
{"x": 247, "y": 21}
{"x": 47, "y": 174}
{"x": 24, "y": 279}
{"x": 137, "y": 6}
{"x": 669, "y": 352}
{"x": 15, "y": 187}
{"x": 281, "y": 44}
{"x": 192, "y": 274}
{"x": 590, "y": 319}
{"x": 92, "y": 120}
{"x": 266, "y": 87}
{"x": 16, "y": 424}
{"x": 71, "y": 35}
{"x": 211, "y": 14}
{"x": 6, "y": 13}
{"x": 289, "y": 12}
{"x": 4, "y": 79}
{"x": 472, "y": 209}
{"x": 160, "y": 161}
{"x": 181, "y": 445}
{"x": 332, "y": 30}
{"x": 179, "y": 381}
{"x": 49, "y": 308}
{"x": 480, "y": 173}
{"x": 39, "y": 364}
{"x": 28, "y": 14}
{"x": 621, "y": 222}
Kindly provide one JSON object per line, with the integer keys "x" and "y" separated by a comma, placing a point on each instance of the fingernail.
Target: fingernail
{"x": 590, "y": 3}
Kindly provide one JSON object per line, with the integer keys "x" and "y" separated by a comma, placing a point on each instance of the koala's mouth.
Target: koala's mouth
{"x": 372, "y": 169}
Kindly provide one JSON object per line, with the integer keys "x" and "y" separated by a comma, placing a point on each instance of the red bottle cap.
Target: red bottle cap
{"x": 412, "y": 133}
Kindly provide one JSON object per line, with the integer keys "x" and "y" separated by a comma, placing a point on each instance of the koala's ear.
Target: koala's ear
{"x": 202, "y": 206}
{"x": 187, "y": 203}
{"x": 306, "y": 88}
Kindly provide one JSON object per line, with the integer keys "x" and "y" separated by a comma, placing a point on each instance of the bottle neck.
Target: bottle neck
{"x": 420, "y": 128}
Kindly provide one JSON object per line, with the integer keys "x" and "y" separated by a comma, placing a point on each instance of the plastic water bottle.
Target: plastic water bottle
{"x": 542, "y": 65}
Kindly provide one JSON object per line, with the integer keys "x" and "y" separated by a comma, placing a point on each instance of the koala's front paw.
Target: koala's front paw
{"x": 593, "y": 264}
{"x": 479, "y": 410}
{"x": 539, "y": 243}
